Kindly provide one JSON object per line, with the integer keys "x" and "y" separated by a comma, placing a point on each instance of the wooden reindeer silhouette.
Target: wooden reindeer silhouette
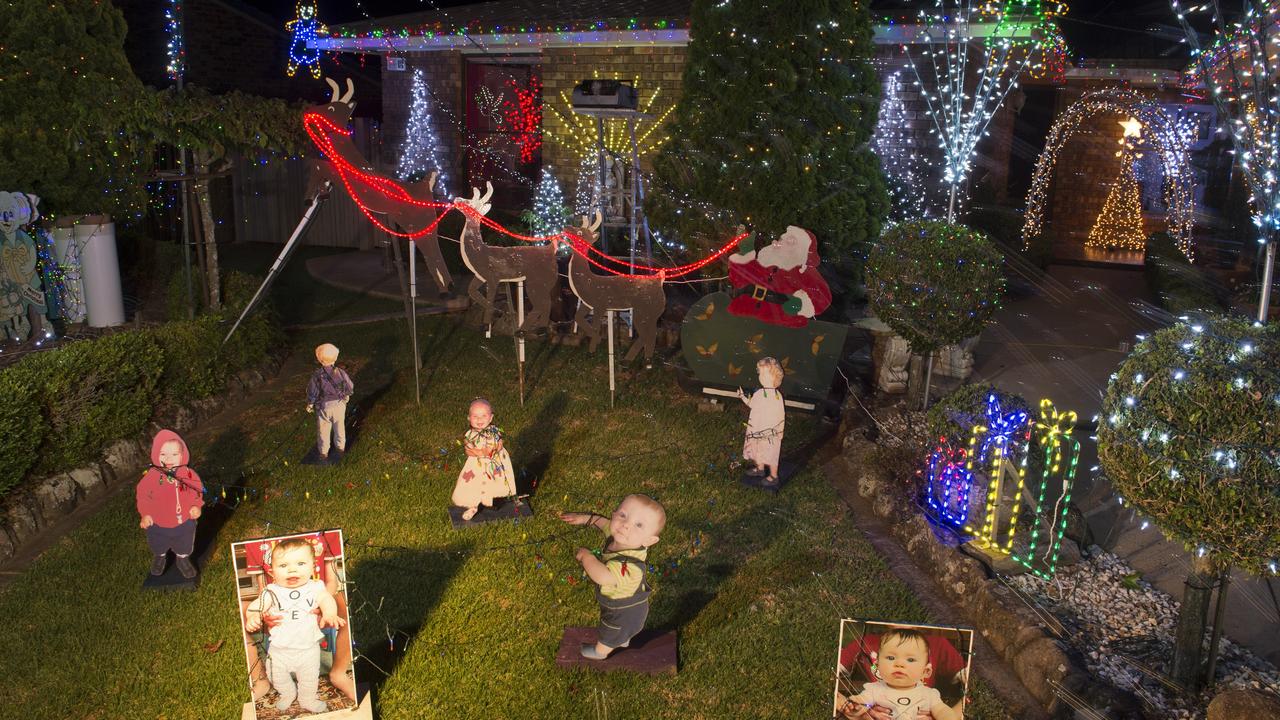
{"x": 410, "y": 218}
{"x": 534, "y": 264}
{"x": 597, "y": 294}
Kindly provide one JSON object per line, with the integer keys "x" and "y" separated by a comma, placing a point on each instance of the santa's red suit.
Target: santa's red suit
{"x": 785, "y": 288}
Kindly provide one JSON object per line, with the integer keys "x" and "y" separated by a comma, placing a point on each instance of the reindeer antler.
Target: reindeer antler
{"x": 333, "y": 97}
{"x": 488, "y": 193}
{"x": 351, "y": 91}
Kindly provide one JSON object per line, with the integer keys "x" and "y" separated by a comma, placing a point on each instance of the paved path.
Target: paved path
{"x": 1063, "y": 342}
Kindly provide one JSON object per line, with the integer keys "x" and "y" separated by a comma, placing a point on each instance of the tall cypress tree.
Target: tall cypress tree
{"x": 773, "y": 127}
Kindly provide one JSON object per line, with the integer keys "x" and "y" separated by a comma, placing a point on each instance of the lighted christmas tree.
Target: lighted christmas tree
{"x": 1119, "y": 225}
{"x": 549, "y": 213}
{"x": 899, "y": 161}
{"x": 421, "y": 153}
{"x": 586, "y": 196}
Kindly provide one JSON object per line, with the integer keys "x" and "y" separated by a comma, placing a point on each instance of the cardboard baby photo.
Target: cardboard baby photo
{"x": 292, "y": 599}
{"x": 898, "y": 671}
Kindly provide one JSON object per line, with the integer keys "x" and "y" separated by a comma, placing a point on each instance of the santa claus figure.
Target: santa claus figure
{"x": 780, "y": 282}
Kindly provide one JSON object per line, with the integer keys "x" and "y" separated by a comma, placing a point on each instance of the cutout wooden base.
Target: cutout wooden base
{"x": 786, "y": 470}
{"x": 503, "y": 510}
{"x": 363, "y": 711}
{"x": 650, "y": 653}
{"x": 313, "y": 457}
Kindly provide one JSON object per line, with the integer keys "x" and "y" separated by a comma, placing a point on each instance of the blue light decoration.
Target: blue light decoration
{"x": 177, "y": 45}
{"x": 305, "y": 27}
{"x": 949, "y": 483}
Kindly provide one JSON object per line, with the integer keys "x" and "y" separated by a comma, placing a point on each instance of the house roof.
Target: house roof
{"x": 486, "y": 17}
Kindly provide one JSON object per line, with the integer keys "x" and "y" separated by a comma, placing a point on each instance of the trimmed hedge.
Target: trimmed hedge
{"x": 955, "y": 415}
{"x": 59, "y": 409}
{"x": 1190, "y": 436}
{"x": 1177, "y": 284}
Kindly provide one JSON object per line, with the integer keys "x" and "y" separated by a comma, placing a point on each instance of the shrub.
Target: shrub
{"x": 92, "y": 394}
{"x": 1190, "y": 436}
{"x": 1176, "y": 283}
{"x": 21, "y": 427}
{"x": 955, "y": 415}
{"x": 1004, "y": 227}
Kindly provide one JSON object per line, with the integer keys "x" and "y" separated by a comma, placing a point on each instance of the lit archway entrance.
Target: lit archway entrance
{"x": 1158, "y": 128}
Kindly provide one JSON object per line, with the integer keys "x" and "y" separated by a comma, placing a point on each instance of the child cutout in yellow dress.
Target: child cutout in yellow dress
{"x": 487, "y": 473}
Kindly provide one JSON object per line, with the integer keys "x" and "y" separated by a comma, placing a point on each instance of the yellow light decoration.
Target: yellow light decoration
{"x": 1053, "y": 433}
{"x": 578, "y": 132}
{"x": 1119, "y": 225}
{"x": 1005, "y": 437}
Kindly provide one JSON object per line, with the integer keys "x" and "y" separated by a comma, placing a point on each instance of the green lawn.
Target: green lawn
{"x": 756, "y": 585}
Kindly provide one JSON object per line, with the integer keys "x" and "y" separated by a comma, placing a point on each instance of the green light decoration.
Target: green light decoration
{"x": 1054, "y": 435}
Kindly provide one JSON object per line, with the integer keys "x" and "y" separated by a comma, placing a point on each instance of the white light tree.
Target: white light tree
{"x": 421, "y": 152}
{"x": 1239, "y": 69}
{"x": 899, "y": 158}
{"x": 549, "y": 213}
{"x": 969, "y": 58}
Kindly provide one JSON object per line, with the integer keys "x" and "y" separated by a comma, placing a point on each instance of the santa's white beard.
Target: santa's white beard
{"x": 781, "y": 256}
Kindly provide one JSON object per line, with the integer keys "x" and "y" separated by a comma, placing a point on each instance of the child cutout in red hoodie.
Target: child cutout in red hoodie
{"x": 170, "y": 496}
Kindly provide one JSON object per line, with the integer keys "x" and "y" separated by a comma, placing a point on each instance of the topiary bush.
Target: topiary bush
{"x": 934, "y": 283}
{"x": 1190, "y": 436}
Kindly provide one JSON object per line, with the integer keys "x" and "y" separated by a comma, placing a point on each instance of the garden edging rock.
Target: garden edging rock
{"x": 39, "y": 503}
{"x": 1044, "y": 665}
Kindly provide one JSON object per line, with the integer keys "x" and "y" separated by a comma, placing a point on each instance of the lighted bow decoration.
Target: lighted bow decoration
{"x": 950, "y": 482}
{"x": 1003, "y": 437}
{"x": 1053, "y": 434}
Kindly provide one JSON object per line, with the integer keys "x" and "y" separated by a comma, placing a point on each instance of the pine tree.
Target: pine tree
{"x": 898, "y": 155}
{"x": 421, "y": 153}
{"x": 778, "y": 104}
{"x": 549, "y": 213}
{"x": 1119, "y": 225}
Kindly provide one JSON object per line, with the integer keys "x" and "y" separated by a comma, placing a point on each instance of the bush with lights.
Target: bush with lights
{"x": 934, "y": 283}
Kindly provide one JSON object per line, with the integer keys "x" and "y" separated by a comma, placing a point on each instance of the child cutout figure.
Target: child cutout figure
{"x": 619, "y": 570}
{"x": 169, "y": 498}
{"x": 327, "y": 394}
{"x": 763, "y": 442}
{"x": 902, "y": 665}
{"x": 289, "y": 608}
{"x": 487, "y": 473}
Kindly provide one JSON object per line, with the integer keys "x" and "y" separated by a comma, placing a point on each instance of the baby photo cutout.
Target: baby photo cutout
{"x": 902, "y": 671}
{"x": 295, "y": 623}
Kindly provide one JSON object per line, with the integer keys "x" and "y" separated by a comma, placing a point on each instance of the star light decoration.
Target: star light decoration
{"x": 964, "y": 82}
{"x": 1168, "y": 135}
{"x": 1239, "y": 70}
{"x": 1119, "y": 225}
{"x": 1004, "y": 438}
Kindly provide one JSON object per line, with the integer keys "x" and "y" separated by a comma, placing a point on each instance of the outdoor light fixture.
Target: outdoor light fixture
{"x": 599, "y": 93}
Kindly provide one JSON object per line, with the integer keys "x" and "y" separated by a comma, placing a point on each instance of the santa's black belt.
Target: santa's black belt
{"x": 760, "y": 293}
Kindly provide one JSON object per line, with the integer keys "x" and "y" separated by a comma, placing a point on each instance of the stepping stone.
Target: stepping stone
{"x": 650, "y": 653}
{"x": 786, "y": 470}
{"x": 504, "y": 511}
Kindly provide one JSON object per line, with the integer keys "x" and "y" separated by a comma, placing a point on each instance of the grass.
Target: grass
{"x": 756, "y": 585}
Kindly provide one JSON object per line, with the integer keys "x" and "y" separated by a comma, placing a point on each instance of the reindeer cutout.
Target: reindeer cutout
{"x": 534, "y": 264}
{"x": 597, "y": 294}
{"x": 410, "y": 218}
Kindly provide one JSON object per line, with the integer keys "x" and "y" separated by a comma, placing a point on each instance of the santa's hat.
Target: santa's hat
{"x": 811, "y": 259}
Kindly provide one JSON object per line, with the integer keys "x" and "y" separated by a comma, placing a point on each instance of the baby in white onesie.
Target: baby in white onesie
{"x": 289, "y": 606}
{"x": 902, "y": 666}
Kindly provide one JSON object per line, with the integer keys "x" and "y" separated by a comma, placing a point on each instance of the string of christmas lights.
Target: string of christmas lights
{"x": 894, "y": 145}
{"x": 305, "y": 27}
{"x": 1162, "y": 131}
{"x": 176, "y": 46}
{"x": 549, "y": 213}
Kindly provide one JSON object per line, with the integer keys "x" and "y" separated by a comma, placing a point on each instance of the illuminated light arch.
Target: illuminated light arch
{"x": 1159, "y": 128}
